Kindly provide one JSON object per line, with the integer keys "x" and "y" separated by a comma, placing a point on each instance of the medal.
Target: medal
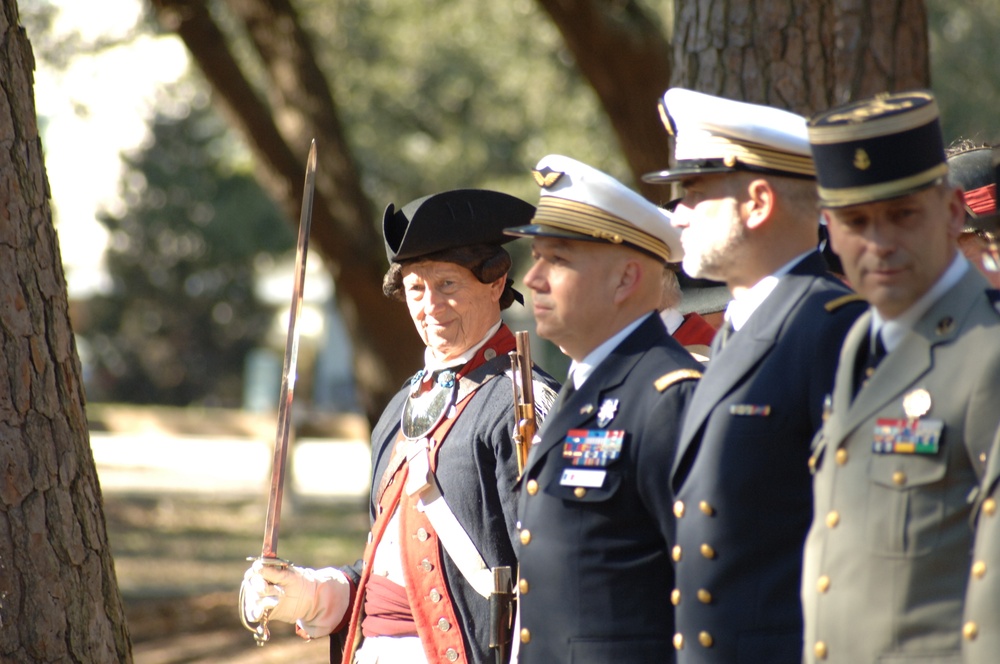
{"x": 917, "y": 403}
{"x": 606, "y": 413}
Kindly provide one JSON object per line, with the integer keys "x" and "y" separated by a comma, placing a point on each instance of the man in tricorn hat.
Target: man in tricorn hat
{"x": 970, "y": 167}
{"x": 744, "y": 495}
{"x": 443, "y": 503}
{"x": 981, "y": 624}
{"x": 916, "y": 401}
{"x": 596, "y": 526}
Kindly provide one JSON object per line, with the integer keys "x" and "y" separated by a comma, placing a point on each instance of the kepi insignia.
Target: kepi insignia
{"x": 861, "y": 160}
{"x": 606, "y": 413}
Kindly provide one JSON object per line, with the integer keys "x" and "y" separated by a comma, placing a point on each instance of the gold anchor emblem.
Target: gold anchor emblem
{"x": 861, "y": 160}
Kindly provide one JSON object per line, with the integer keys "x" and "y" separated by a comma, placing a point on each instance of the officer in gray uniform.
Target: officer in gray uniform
{"x": 595, "y": 522}
{"x": 744, "y": 495}
{"x": 981, "y": 627}
{"x": 916, "y": 399}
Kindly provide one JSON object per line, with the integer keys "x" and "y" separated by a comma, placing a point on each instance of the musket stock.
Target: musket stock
{"x": 524, "y": 398}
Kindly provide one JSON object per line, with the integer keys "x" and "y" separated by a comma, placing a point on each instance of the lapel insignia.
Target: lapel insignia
{"x": 917, "y": 404}
{"x": 945, "y": 325}
{"x": 607, "y": 412}
{"x": 587, "y": 410}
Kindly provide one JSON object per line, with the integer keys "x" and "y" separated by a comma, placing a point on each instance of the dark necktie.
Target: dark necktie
{"x": 869, "y": 360}
{"x": 722, "y": 336}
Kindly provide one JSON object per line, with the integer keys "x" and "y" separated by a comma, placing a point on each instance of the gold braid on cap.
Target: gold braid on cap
{"x": 702, "y": 145}
{"x": 586, "y": 219}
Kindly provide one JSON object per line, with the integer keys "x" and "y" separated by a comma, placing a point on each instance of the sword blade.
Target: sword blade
{"x": 287, "y": 393}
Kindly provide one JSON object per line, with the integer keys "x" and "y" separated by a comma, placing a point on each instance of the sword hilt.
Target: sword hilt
{"x": 259, "y": 628}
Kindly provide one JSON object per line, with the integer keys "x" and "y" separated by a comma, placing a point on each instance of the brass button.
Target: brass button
{"x": 820, "y": 650}
{"x": 451, "y": 654}
{"x": 678, "y": 641}
{"x": 990, "y": 507}
{"x": 426, "y": 565}
{"x": 525, "y": 635}
{"x": 899, "y": 478}
{"x": 832, "y": 519}
{"x": 812, "y": 463}
{"x": 705, "y": 508}
{"x": 841, "y": 456}
{"x": 707, "y": 551}
{"x": 675, "y": 553}
{"x": 525, "y": 536}
{"x": 970, "y": 630}
{"x": 435, "y": 595}
{"x": 705, "y": 639}
{"x": 679, "y": 509}
{"x": 704, "y": 596}
{"x": 444, "y": 625}
{"x": 675, "y": 597}
{"x": 532, "y": 487}
{"x": 579, "y": 492}
{"x": 523, "y": 586}
{"x": 979, "y": 569}
{"x": 823, "y": 583}
{"x": 422, "y": 534}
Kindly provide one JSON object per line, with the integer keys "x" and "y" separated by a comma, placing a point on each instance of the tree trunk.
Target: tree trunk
{"x": 803, "y": 56}
{"x": 299, "y": 107}
{"x": 625, "y": 56}
{"x": 59, "y": 599}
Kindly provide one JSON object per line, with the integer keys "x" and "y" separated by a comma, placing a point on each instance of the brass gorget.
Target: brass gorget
{"x": 427, "y": 405}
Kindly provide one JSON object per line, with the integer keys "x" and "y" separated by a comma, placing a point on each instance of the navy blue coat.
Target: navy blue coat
{"x": 741, "y": 477}
{"x": 595, "y": 562}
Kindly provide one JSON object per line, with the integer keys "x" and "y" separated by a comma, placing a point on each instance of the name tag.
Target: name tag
{"x": 592, "y": 479}
{"x": 593, "y": 447}
{"x": 907, "y": 436}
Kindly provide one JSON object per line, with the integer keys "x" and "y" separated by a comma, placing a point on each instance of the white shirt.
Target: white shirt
{"x": 893, "y": 331}
{"x": 742, "y": 306}
{"x": 672, "y": 319}
{"x": 580, "y": 371}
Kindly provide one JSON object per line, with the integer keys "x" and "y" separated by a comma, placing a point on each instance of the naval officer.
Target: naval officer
{"x": 744, "y": 497}
{"x": 916, "y": 399}
{"x": 595, "y": 519}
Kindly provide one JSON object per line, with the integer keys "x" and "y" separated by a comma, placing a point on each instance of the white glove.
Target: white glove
{"x": 315, "y": 600}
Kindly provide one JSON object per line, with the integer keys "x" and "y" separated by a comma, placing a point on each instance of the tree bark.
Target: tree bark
{"x": 300, "y": 106}
{"x": 625, "y": 56}
{"x": 59, "y": 599}
{"x": 803, "y": 56}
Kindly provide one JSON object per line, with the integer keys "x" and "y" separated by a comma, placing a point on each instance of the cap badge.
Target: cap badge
{"x": 917, "y": 403}
{"x": 546, "y": 177}
{"x": 861, "y": 160}
{"x": 607, "y": 411}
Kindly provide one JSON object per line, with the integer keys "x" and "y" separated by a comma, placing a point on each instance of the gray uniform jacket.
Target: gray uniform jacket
{"x": 595, "y": 557}
{"x": 744, "y": 492}
{"x": 981, "y": 629}
{"x": 888, "y": 552}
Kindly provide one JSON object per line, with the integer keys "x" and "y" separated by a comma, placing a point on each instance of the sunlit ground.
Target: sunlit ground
{"x": 180, "y": 559}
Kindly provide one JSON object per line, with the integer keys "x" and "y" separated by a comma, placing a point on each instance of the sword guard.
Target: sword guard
{"x": 261, "y": 633}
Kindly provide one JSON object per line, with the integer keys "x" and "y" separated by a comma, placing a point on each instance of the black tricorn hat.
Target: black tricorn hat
{"x": 450, "y": 219}
{"x": 876, "y": 149}
{"x": 972, "y": 170}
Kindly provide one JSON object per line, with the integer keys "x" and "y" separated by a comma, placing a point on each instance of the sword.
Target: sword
{"x": 269, "y": 550}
